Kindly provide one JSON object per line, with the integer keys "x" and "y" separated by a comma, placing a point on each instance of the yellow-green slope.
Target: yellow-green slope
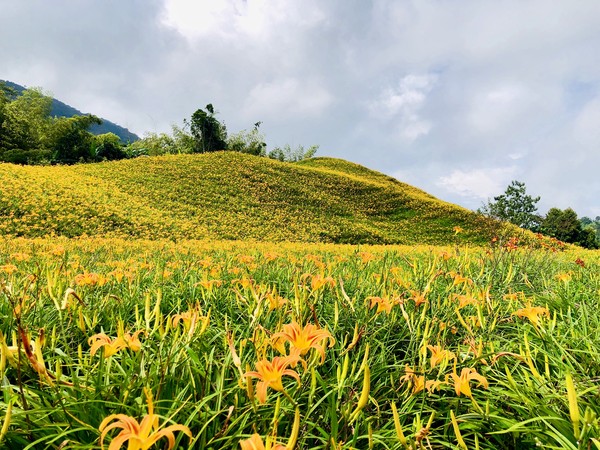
{"x": 227, "y": 195}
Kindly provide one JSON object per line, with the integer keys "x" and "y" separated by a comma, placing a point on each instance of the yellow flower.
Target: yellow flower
{"x": 89, "y": 279}
{"x": 565, "y": 277}
{"x": 190, "y": 320}
{"x": 462, "y": 381}
{"x": 418, "y": 297}
{"x": 275, "y": 300}
{"x": 141, "y": 435}
{"x": 270, "y": 373}
{"x": 366, "y": 257}
{"x": 438, "y": 355}
{"x": 533, "y": 313}
{"x": 464, "y": 300}
{"x": 8, "y": 268}
{"x": 383, "y": 303}
{"x": 319, "y": 281}
{"x": 418, "y": 382}
{"x": 255, "y": 442}
{"x": 112, "y": 346}
{"x": 302, "y": 339}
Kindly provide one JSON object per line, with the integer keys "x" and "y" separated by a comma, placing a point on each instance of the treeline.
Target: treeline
{"x": 204, "y": 133}
{"x": 517, "y": 207}
{"x": 29, "y": 134}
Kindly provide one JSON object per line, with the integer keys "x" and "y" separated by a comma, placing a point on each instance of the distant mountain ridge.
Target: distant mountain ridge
{"x": 60, "y": 109}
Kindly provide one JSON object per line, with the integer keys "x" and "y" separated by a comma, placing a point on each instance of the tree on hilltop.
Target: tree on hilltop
{"x": 514, "y": 206}
{"x": 209, "y": 134}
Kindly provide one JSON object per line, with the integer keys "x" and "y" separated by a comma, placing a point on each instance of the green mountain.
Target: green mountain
{"x": 227, "y": 195}
{"x": 60, "y": 109}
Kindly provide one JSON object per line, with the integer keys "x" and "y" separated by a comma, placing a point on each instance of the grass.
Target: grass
{"x": 432, "y": 347}
{"x": 228, "y": 195}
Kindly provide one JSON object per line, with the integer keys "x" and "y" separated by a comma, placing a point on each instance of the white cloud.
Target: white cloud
{"x": 288, "y": 98}
{"x": 478, "y": 183}
{"x": 402, "y": 105}
{"x": 256, "y": 19}
{"x": 444, "y": 91}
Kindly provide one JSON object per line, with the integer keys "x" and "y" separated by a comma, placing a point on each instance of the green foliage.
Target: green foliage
{"x": 28, "y": 135}
{"x": 25, "y": 121}
{"x": 251, "y": 142}
{"x": 210, "y": 135}
{"x": 156, "y": 144}
{"x": 565, "y": 226}
{"x": 514, "y": 206}
{"x": 152, "y": 144}
{"x": 522, "y": 326}
{"x": 289, "y": 154}
{"x": 109, "y": 147}
{"x": 71, "y": 141}
{"x": 593, "y": 225}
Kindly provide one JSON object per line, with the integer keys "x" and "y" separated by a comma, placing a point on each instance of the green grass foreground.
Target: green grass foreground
{"x": 494, "y": 347}
{"x": 228, "y": 195}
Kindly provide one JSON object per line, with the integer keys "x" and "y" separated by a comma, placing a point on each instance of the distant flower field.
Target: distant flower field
{"x": 117, "y": 343}
{"x": 228, "y": 195}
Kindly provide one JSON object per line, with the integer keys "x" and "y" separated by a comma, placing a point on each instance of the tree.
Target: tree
{"x": 109, "y": 147}
{"x": 562, "y": 225}
{"x": 71, "y": 140}
{"x": 288, "y": 154}
{"x": 209, "y": 134}
{"x": 25, "y": 120}
{"x": 566, "y": 227}
{"x": 514, "y": 206}
{"x": 252, "y": 142}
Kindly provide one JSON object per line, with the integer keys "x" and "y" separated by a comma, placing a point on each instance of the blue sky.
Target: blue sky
{"x": 457, "y": 97}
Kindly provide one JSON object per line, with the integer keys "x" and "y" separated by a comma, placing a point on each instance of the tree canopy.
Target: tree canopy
{"x": 517, "y": 207}
{"x": 30, "y": 135}
{"x": 209, "y": 134}
{"x": 514, "y": 206}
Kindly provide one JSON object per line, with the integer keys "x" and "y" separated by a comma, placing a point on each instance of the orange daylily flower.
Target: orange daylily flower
{"x": 418, "y": 297}
{"x": 255, "y": 442}
{"x": 565, "y": 277}
{"x": 210, "y": 284}
{"x": 8, "y": 268}
{"x": 366, "y": 257}
{"x": 462, "y": 381}
{"x": 418, "y": 382}
{"x": 438, "y": 355}
{"x": 190, "y": 320}
{"x": 90, "y": 279}
{"x": 112, "y": 346}
{"x": 319, "y": 281}
{"x": 533, "y": 313}
{"x": 302, "y": 339}
{"x": 141, "y": 435}
{"x": 383, "y": 303}
{"x": 458, "y": 279}
{"x": 275, "y": 300}
{"x": 465, "y": 300}
{"x": 270, "y": 373}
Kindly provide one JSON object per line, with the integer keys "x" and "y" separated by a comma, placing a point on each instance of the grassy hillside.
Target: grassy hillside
{"x": 227, "y": 195}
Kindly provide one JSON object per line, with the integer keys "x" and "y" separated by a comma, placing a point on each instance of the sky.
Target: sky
{"x": 456, "y": 97}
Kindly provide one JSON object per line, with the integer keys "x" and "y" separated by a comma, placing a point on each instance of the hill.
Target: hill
{"x": 60, "y": 109}
{"x": 226, "y": 195}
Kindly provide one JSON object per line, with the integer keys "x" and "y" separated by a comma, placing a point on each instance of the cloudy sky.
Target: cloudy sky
{"x": 457, "y": 97}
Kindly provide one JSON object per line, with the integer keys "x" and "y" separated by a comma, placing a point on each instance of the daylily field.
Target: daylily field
{"x": 109, "y": 343}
